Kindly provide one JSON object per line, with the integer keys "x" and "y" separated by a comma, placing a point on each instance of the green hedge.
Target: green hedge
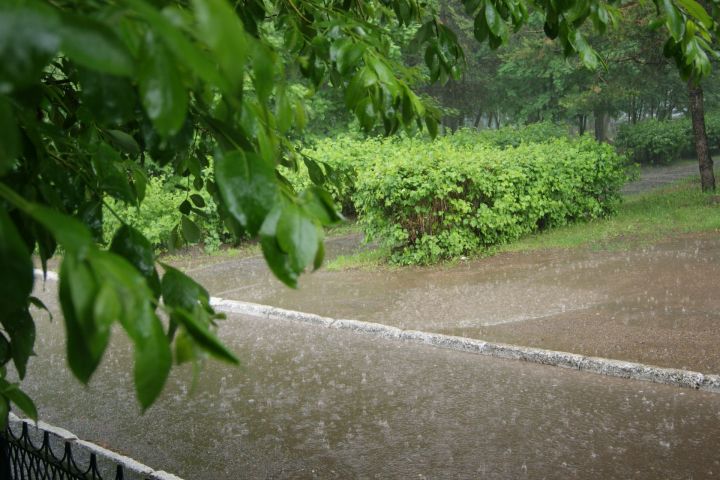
{"x": 661, "y": 142}
{"x": 432, "y": 201}
{"x": 341, "y": 158}
{"x": 511, "y": 136}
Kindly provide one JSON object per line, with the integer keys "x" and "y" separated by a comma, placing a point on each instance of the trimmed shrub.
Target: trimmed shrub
{"x": 654, "y": 142}
{"x": 662, "y": 142}
{"x": 433, "y": 201}
{"x": 342, "y": 157}
{"x": 511, "y": 136}
{"x": 339, "y": 158}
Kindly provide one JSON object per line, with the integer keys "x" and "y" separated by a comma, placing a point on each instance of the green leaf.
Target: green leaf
{"x": 587, "y": 54}
{"x": 37, "y": 303}
{"x": 13, "y": 393}
{"x": 77, "y": 291}
{"x": 4, "y": 411}
{"x": 184, "y": 51}
{"x": 674, "y": 20}
{"x": 191, "y": 232}
{"x": 494, "y": 21}
{"x": 91, "y": 214}
{"x": 112, "y": 180}
{"x": 5, "y": 350}
{"x": 124, "y": 142}
{"x": 161, "y": 89}
{"x": 181, "y": 291}
{"x": 106, "y": 310}
{"x": 68, "y": 231}
{"x": 131, "y": 288}
{"x": 185, "y": 207}
{"x": 139, "y": 181}
{"x": 9, "y": 136}
{"x": 94, "y": 45}
{"x": 264, "y": 71}
{"x": 277, "y": 259}
{"x": 20, "y": 327}
{"x": 132, "y": 245}
{"x": 185, "y": 350}
{"x": 198, "y": 200}
{"x": 202, "y": 335}
{"x": 383, "y": 72}
{"x": 697, "y": 11}
{"x": 109, "y": 99}
{"x": 432, "y": 125}
{"x": 316, "y": 174}
{"x": 220, "y": 27}
{"x": 28, "y": 41}
{"x": 153, "y": 359}
{"x": 247, "y": 186}
{"x": 298, "y": 236}
{"x": 320, "y": 255}
{"x": 347, "y": 55}
{"x": 16, "y": 273}
{"x": 318, "y": 203}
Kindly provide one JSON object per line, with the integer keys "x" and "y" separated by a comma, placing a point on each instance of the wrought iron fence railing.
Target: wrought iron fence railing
{"x": 41, "y": 452}
{"x": 22, "y": 459}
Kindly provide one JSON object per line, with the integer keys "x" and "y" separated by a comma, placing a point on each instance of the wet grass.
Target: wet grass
{"x": 246, "y": 249}
{"x": 370, "y": 259}
{"x": 680, "y": 208}
{"x": 645, "y": 218}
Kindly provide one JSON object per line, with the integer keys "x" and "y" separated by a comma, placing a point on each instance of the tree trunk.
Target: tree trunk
{"x": 600, "y": 125}
{"x": 697, "y": 112}
{"x": 582, "y": 124}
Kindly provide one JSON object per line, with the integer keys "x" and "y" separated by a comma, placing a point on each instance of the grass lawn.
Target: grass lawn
{"x": 643, "y": 218}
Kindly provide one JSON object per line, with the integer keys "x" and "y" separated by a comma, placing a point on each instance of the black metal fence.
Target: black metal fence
{"x": 23, "y": 459}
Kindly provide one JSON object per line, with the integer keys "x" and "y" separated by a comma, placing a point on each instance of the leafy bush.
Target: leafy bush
{"x": 661, "y": 142}
{"x": 160, "y": 215}
{"x": 342, "y": 157}
{"x": 512, "y": 136}
{"x": 339, "y": 159}
{"x": 712, "y": 126}
{"x": 431, "y": 201}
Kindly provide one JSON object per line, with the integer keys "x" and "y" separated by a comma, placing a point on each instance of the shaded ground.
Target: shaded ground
{"x": 322, "y": 403}
{"x": 655, "y": 304}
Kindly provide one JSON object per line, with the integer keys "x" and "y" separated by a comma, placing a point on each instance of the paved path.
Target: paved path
{"x": 653, "y": 177}
{"x": 648, "y": 305}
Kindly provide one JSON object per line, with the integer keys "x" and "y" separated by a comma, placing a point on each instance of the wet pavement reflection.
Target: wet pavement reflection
{"x": 655, "y": 304}
{"x": 311, "y": 402}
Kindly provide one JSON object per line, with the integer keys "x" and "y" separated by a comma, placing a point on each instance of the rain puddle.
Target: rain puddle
{"x": 310, "y": 402}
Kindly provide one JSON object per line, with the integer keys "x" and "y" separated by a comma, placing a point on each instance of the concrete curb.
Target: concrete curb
{"x": 107, "y": 460}
{"x": 598, "y": 365}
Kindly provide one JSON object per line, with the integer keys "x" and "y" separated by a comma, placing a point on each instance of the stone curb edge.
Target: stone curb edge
{"x": 598, "y": 365}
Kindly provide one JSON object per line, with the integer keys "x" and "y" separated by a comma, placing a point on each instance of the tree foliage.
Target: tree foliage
{"x": 91, "y": 91}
